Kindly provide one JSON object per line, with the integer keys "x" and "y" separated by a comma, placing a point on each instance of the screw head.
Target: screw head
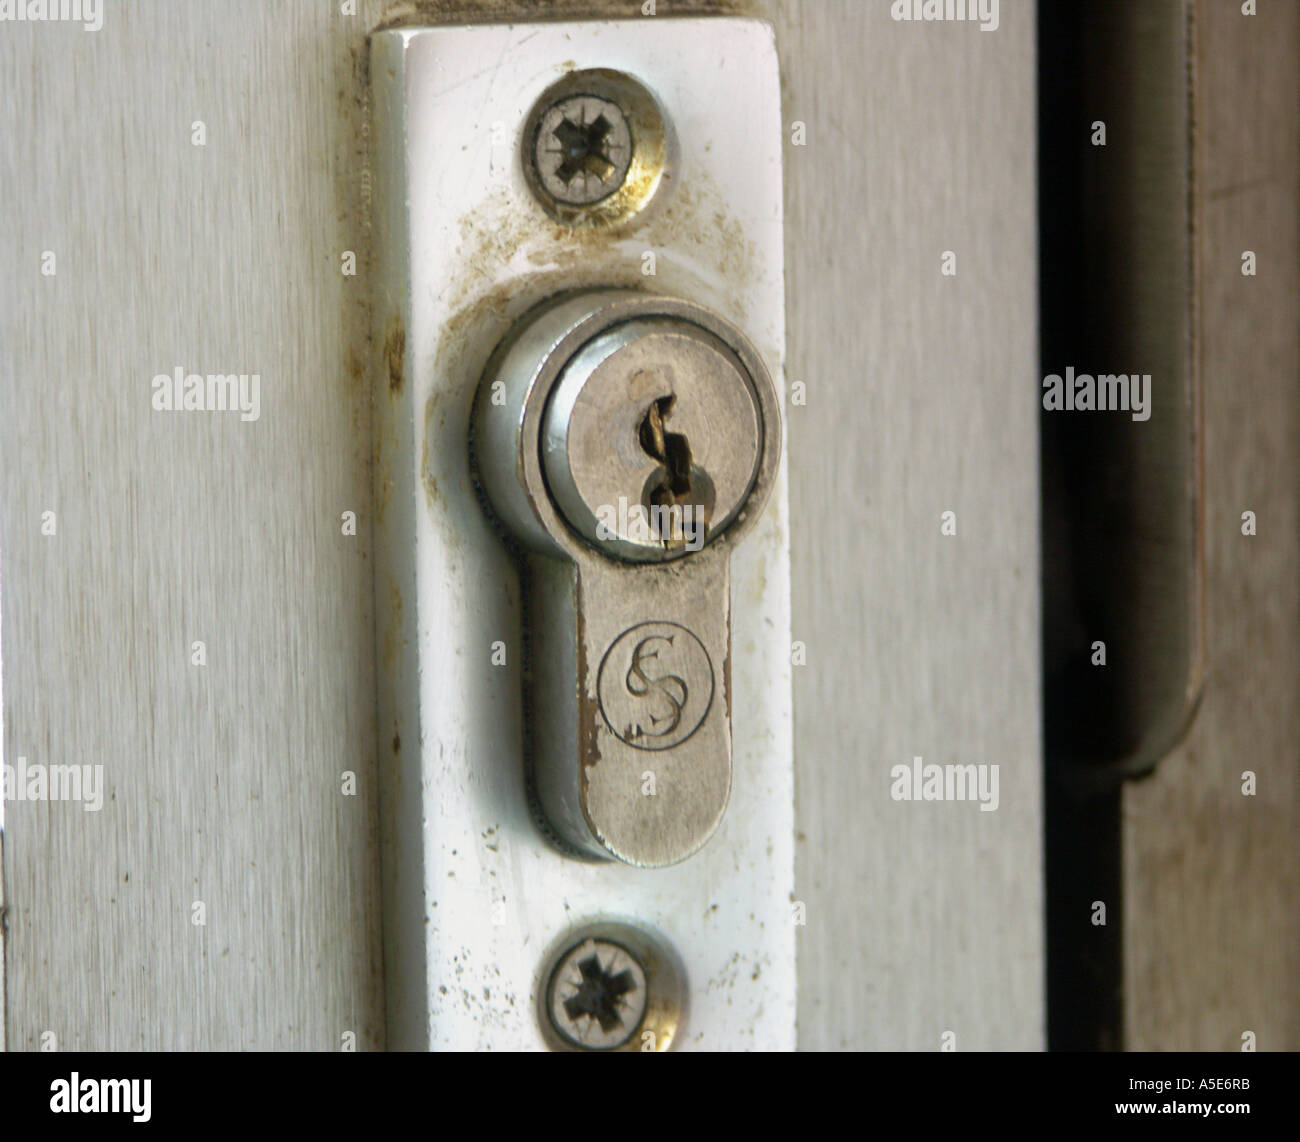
{"x": 611, "y": 986}
{"x": 597, "y": 995}
{"x": 582, "y": 149}
{"x": 596, "y": 148}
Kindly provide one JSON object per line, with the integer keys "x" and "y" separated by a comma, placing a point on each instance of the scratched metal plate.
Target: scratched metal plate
{"x": 474, "y": 895}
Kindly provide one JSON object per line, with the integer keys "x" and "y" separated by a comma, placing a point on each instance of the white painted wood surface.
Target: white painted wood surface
{"x": 922, "y": 918}
{"x": 224, "y": 781}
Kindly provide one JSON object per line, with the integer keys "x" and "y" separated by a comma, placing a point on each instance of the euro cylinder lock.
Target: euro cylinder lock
{"x": 627, "y": 441}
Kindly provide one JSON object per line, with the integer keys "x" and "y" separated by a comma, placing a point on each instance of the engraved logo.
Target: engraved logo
{"x": 655, "y": 685}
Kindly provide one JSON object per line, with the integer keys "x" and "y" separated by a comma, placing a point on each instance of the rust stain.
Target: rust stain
{"x": 430, "y": 481}
{"x": 385, "y": 446}
{"x": 395, "y": 355}
{"x": 363, "y": 445}
{"x": 355, "y": 368}
{"x": 589, "y": 716}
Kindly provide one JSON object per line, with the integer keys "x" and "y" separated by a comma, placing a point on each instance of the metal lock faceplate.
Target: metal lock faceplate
{"x": 630, "y": 629}
{"x": 474, "y": 893}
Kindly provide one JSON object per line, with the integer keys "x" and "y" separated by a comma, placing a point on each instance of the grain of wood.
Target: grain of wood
{"x": 224, "y": 780}
{"x": 922, "y": 918}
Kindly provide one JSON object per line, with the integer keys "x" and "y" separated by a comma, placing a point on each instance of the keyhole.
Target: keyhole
{"x": 680, "y": 497}
{"x": 671, "y": 449}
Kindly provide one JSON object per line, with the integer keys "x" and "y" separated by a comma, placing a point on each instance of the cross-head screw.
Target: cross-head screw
{"x": 595, "y": 148}
{"x": 597, "y": 995}
{"x": 611, "y": 986}
{"x": 582, "y": 150}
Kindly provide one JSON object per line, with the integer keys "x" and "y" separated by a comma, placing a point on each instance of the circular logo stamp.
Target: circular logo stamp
{"x": 655, "y": 685}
